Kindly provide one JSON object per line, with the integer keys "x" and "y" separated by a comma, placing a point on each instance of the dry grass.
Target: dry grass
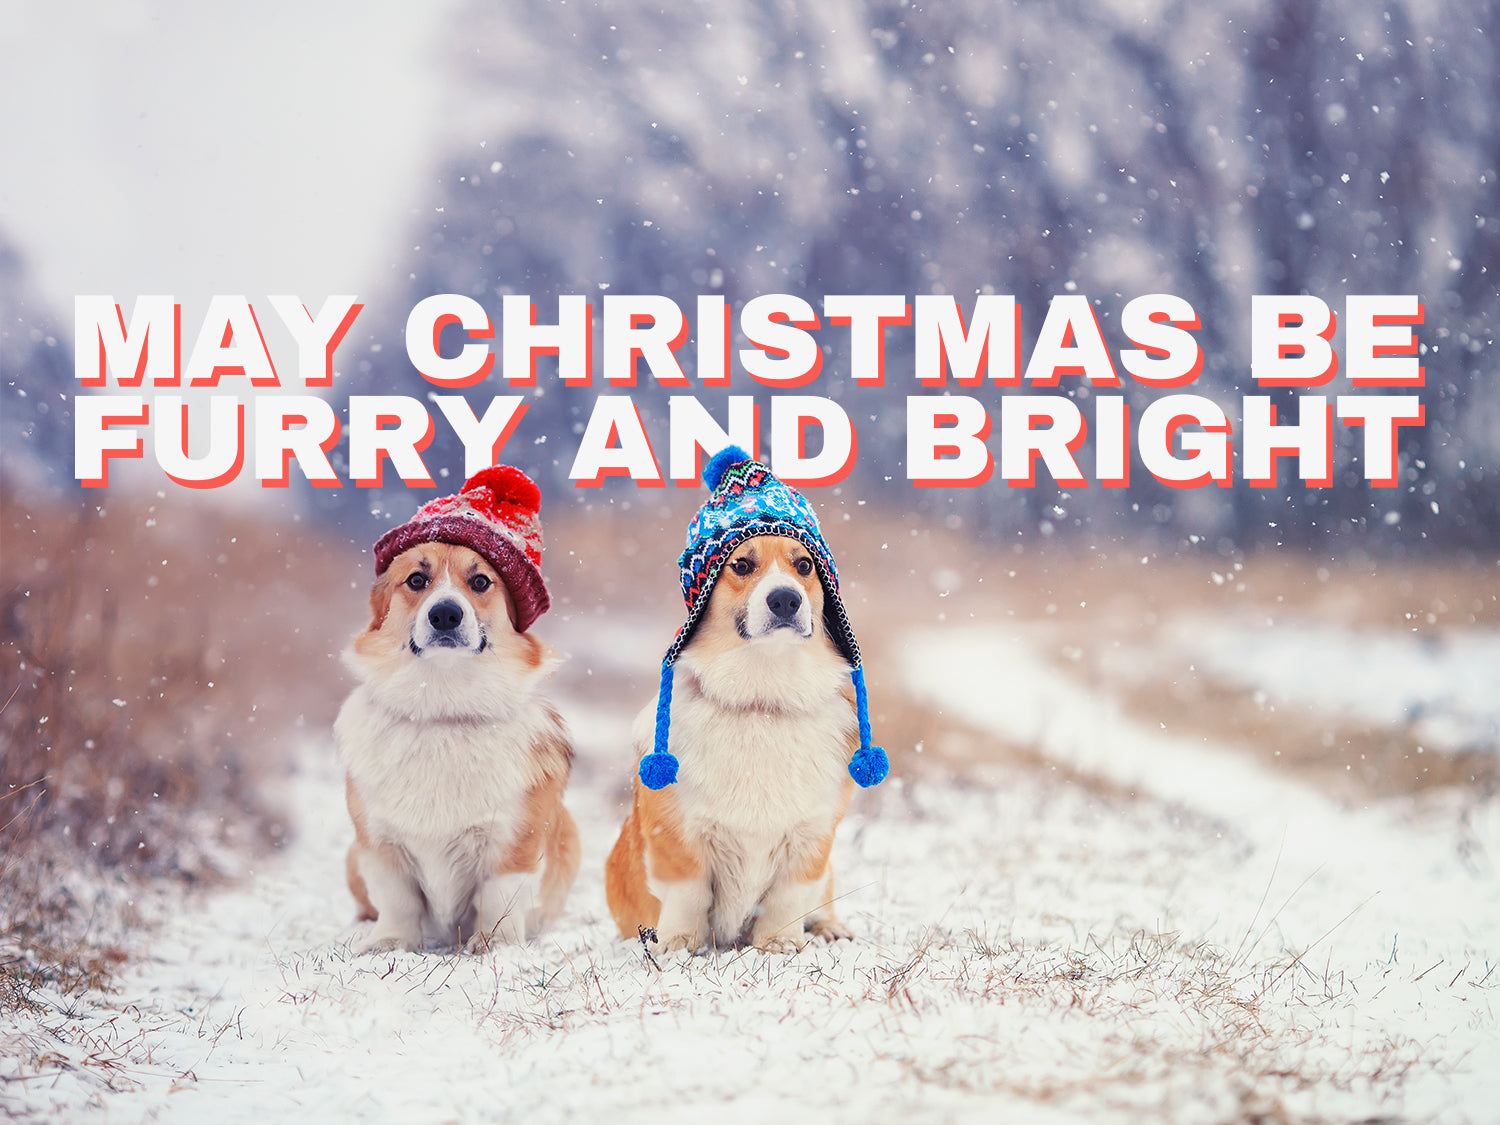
{"x": 961, "y": 998}
{"x": 156, "y": 660}
{"x": 1141, "y": 1022}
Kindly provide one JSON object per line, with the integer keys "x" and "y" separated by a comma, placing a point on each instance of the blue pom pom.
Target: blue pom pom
{"x": 658, "y": 770}
{"x": 869, "y": 766}
{"x": 720, "y": 463}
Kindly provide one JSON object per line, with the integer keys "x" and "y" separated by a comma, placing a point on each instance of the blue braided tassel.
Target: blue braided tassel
{"x": 658, "y": 769}
{"x": 869, "y": 765}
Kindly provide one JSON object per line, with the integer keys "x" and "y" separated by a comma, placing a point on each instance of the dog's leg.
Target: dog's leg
{"x": 822, "y": 922}
{"x": 684, "y": 912}
{"x": 800, "y": 900}
{"x": 781, "y": 925}
{"x": 366, "y": 912}
{"x": 501, "y": 908}
{"x": 361, "y": 845}
{"x": 396, "y": 896}
{"x": 676, "y": 874}
{"x": 737, "y": 890}
{"x": 560, "y": 871}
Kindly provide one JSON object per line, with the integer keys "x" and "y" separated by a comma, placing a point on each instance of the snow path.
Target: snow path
{"x": 1403, "y": 879}
{"x": 1441, "y": 686}
{"x": 1380, "y": 854}
{"x": 1028, "y": 950}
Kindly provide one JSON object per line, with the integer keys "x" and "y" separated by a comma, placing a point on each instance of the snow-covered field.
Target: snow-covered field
{"x": 1145, "y": 927}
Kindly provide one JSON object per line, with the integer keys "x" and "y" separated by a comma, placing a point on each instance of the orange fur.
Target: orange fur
{"x": 630, "y": 900}
{"x": 351, "y": 861}
{"x": 653, "y": 828}
{"x": 548, "y": 832}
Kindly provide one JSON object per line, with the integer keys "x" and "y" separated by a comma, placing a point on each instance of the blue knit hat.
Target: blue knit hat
{"x": 749, "y": 501}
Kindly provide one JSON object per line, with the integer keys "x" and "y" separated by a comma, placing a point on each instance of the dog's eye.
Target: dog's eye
{"x": 742, "y": 566}
{"x": 416, "y": 581}
{"x": 804, "y": 566}
{"x": 480, "y": 583}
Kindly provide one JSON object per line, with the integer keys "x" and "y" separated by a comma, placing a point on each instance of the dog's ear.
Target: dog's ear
{"x": 539, "y": 654}
{"x": 380, "y": 601}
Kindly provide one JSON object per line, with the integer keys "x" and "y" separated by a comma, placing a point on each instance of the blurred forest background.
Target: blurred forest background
{"x": 1028, "y": 147}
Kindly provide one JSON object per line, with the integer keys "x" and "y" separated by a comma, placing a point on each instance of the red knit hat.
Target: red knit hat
{"x": 495, "y": 514}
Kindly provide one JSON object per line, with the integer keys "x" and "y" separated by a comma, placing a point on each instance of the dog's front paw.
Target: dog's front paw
{"x": 377, "y": 942}
{"x": 681, "y": 943}
{"x": 783, "y": 941}
{"x": 831, "y": 930}
{"x": 503, "y": 933}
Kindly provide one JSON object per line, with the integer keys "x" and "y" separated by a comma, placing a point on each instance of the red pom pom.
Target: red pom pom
{"x": 507, "y": 485}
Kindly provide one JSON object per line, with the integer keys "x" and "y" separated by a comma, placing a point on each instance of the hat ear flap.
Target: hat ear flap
{"x": 869, "y": 765}
{"x": 658, "y": 769}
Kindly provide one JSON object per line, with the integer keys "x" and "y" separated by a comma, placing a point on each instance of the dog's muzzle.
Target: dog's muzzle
{"x": 445, "y": 619}
{"x": 776, "y": 606}
{"x": 784, "y": 602}
{"x": 447, "y": 623}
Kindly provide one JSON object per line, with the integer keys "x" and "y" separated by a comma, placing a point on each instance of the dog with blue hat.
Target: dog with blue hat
{"x": 759, "y": 734}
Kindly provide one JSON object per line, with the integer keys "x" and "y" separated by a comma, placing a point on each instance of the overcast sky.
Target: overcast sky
{"x": 165, "y": 146}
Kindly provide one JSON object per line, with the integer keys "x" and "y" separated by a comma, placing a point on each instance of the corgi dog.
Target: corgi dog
{"x": 763, "y": 727}
{"x": 456, "y": 762}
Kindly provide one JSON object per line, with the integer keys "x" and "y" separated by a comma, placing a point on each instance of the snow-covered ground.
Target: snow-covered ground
{"x": 1159, "y": 929}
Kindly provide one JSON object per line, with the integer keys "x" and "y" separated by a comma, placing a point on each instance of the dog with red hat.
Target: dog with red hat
{"x": 456, "y": 760}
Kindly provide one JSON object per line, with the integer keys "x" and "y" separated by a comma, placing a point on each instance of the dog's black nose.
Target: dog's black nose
{"x": 784, "y": 602}
{"x": 445, "y": 616}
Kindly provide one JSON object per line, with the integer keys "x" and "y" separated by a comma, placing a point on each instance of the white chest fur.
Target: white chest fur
{"x": 449, "y": 794}
{"x": 759, "y": 787}
{"x": 439, "y": 778}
